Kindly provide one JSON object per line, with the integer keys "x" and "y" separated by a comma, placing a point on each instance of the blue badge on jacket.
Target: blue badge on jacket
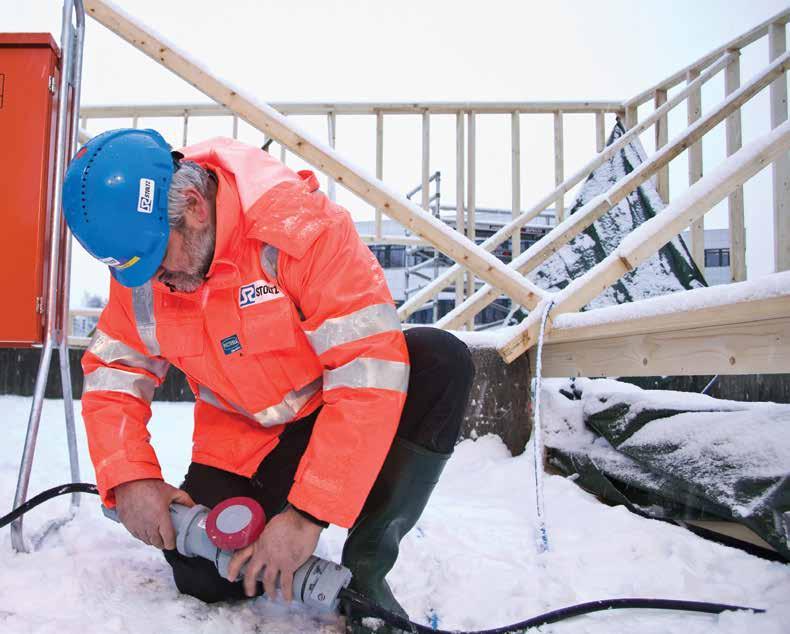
{"x": 231, "y": 344}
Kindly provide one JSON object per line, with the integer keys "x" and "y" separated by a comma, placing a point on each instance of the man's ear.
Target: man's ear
{"x": 198, "y": 211}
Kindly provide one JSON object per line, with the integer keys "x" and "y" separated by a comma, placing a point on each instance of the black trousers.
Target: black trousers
{"x": 439, "y": 383}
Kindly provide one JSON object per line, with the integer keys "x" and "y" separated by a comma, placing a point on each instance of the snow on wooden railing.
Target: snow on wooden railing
{"x": 648, "y": 238}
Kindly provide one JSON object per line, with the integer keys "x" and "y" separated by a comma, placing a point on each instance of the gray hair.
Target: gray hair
{"x": 189, "y": 174}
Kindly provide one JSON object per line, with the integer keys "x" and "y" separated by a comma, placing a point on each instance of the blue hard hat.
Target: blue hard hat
{"x": 115, "y": 201}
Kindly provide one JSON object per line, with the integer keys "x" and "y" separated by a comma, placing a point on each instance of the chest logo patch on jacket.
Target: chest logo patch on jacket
{"x": 257, "y": 292}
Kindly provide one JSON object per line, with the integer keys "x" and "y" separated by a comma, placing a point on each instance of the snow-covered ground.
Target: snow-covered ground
{"x": 471, "y": 563}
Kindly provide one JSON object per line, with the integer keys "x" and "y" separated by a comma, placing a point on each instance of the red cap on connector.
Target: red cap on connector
{"x": 235, "y": 523}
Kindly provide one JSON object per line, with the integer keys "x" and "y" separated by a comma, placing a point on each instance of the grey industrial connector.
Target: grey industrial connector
{"x": 317, "y": 582}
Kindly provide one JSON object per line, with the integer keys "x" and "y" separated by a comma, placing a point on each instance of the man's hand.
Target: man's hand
{"x": 285, "y": 544}
{"x": 144, "y": 509}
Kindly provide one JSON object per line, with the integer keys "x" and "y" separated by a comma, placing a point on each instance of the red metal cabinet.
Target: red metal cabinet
{"x": 29, "y": 75}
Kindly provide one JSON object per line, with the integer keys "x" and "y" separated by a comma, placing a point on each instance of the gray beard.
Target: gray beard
{"x": 200, "y": 245}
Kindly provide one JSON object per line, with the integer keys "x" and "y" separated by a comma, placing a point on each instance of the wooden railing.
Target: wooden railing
{"x": 477, "y": 261}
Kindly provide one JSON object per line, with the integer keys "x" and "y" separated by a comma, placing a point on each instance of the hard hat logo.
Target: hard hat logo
{"x": 146, "y": 200}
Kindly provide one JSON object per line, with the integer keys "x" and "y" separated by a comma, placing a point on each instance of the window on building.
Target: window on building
{"x": 390, "y": 256}
{"x": 717, "y": 257}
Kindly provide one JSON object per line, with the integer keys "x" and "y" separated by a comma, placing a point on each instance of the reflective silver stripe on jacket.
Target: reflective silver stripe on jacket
{"x": 143, "y": 306}
{"x": 114, "y": 380}
{"x": 269, "y": 260}
{"x": 365, "y": 322}
{"x": 111, "y": 350}
{"x": 367, "y": 372}
{"x": 285, "y": 411}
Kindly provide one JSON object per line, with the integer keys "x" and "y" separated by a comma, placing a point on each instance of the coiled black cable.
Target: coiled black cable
{"x": 361, "y": 604}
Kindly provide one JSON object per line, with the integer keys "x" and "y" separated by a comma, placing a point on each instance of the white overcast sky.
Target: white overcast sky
{"x": 332, "y": 50}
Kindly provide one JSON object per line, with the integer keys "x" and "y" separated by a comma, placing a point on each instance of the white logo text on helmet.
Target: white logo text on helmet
{"x": 145, "y": 201}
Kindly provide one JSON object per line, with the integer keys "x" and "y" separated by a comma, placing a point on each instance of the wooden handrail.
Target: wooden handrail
{"x": 351, "y": 108}
{"x": 648, "y": 238}
{"x": 275, "y": 125}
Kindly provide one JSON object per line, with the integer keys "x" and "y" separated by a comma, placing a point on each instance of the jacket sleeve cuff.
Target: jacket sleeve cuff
{"x": 118, "y": 472}
{"x": 307, "y": 516}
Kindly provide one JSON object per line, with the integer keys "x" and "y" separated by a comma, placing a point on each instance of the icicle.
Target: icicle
{"x": 537, "y": 440}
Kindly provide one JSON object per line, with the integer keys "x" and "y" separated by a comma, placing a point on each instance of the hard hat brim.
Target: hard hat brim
{"x": 144, "y": 269}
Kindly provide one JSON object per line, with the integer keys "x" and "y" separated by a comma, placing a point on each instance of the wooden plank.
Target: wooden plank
{"x": 753, "y": 347}
{"x": 515, "y": 179}
{"x": 737, "y": 223}
{"x": 780, "y": 170}
{"x": 460, "y": 210}
{"x": 379, "y": 163}
{"x": 600, "y": 132}
{"x": 599, "y": 205}
{"x": 272, "y": 123}
{"x": 694, "y": 106}
{"x": 662, "y": 136}
{"x": 559, "y": 165}
{"x": 434, "y": 288}
{"x": 668, "y": 319}
{"x": 653, "y": 234}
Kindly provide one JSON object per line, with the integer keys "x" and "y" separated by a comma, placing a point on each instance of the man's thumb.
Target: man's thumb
{"x": 182, "y": 497}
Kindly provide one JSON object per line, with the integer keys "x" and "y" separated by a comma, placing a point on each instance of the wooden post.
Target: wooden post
{"x": 732, "y": 81}
{"x": 694, "y": 106}
{"x": 379, "y": 164}
{"x": 559, "y": 167}
{"x": 600, "y": 132}
{"x": 777, "y": 45}
{"x": 459, "y": 196}
{"x": 235, "y": 127}
{"x": 471, "y": 182}
{"x": 134, "y": 122}
{"x": 662, "y": 176}
{"x": 426, "y": 160}
{"x": 186, "y": 128}
{"x": 282, "y": 154}
{"x": 515, "y": 162}
{"x": 331, "y": 127}
{"x": 631, "y": 116}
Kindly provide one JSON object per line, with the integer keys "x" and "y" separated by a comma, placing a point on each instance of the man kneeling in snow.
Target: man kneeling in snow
{"x": 309, "y": 398}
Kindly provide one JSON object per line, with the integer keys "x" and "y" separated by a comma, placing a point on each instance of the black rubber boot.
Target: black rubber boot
{"x": 393, "y": 507}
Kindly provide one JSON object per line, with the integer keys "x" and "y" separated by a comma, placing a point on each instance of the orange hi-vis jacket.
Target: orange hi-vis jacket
{"x": 294, "y": 314}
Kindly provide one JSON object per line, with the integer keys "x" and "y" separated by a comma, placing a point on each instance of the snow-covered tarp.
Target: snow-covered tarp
{"x": 681, "y": 456}
{"x": 671, "y": 269}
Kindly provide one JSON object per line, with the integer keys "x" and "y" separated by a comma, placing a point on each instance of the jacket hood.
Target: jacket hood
{"x": 274, "y": 198}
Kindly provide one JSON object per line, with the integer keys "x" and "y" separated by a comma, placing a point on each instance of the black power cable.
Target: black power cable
{"x": 361, "y": 603}
{"x": 63, "y": 489}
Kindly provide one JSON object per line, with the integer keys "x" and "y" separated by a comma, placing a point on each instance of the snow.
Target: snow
{"x": 767, "y": 287}
{"x": 470, "y": 563}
